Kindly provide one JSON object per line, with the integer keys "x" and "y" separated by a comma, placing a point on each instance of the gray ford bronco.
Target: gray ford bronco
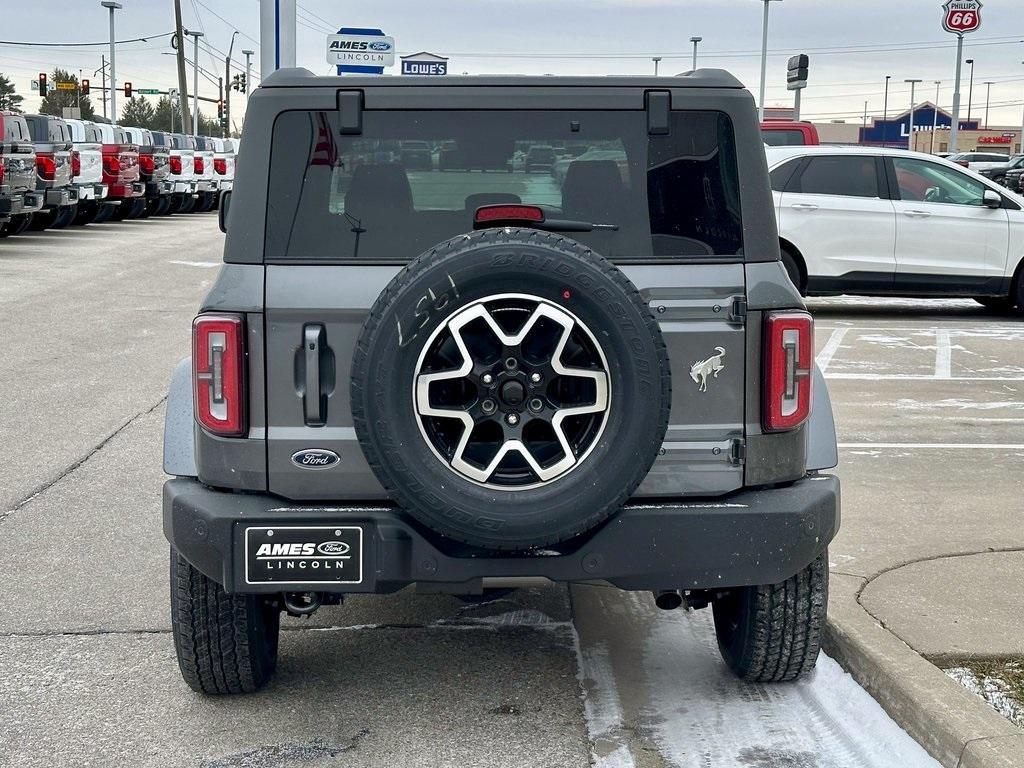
{"x": 468, "y": 371}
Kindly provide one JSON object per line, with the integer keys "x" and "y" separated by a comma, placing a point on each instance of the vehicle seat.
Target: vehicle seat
{"x": 379, "y": 194}
{"x": 593, "y": 191}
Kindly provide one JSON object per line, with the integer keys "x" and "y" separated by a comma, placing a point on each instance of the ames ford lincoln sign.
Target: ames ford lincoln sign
{"x": 368, "y": 50}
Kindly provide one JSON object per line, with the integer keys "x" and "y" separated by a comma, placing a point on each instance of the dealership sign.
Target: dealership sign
{"x": 424, "y": 63}
{"x": 360, "y": 50}
{"x": 961, "y": 16}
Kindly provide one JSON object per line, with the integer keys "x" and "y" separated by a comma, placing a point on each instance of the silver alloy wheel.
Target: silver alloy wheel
{"x": 512, "y": 392}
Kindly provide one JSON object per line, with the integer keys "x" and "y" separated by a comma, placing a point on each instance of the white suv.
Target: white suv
{"x": 889, "y": 222}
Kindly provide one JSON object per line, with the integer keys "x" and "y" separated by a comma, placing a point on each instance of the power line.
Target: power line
{"x": 310, "y": 13}
{"x": 230, "y": 24}
{"x": 76, "y": 45}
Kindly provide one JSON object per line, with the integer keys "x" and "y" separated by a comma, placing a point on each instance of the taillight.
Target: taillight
{"x": 197, "y": 164}
{"x": 964, "y": 163}
{"x": 175, "y": 163}
{"x": 3, "y": 169}
{"x": 76, "y": 165}
{"x": 220, "y": 165}
{"x": 788, "y": 364}
{"x": 46, "y": 166}
{"x": 494, "y": 214}
{"x": 146, "y": 163}
{"x": 218, "y": 373}
{"x": 111, "y": 165}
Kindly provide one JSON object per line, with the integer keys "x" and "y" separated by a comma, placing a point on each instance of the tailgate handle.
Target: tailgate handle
{"x": 314, "y": 345}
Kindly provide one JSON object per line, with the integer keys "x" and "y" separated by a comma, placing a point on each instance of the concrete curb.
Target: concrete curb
{"x": 956, "y": 727}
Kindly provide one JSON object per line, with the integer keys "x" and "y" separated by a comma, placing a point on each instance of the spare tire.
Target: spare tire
{"x": 510, "y": 389}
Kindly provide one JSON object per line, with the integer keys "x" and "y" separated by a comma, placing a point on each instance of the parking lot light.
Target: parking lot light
{"x": 910, "y": 125}
{"x": 112, "y": 6}
{"x": 764, "y": 58}
{"x": 656, "y": 59}
{"x": 695, "y": 39}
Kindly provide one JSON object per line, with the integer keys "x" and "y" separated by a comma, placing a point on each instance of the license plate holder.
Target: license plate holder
{"x": 292, "y": 555}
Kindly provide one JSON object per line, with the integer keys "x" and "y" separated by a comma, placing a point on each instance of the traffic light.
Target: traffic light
{"x": 85, "y": 86}
{"x": 220, "y": 110}
{"x": 42, "y": 84}
{"x": 127, "y": 90}
{"x": 242, "y": 84}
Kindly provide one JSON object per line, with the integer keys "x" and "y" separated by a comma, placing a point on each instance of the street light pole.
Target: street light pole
{"x": 248, "y": 73}
{"x": 970, "y": 90}
{"x": 988, "y": 96}
{"x": 954, "y": 129}
{"x": 935, "y": 115}
{"x": 764, "y": 60}
{"x": 102, "y": 72}
{"x": 695, "y": 40}
{"x": 195, "y": 80}
{"x": 656, "y": 59}
{"x": 227, "y": 82}
{"x": 910, "y": 126}
{"x": 112, "y": 6}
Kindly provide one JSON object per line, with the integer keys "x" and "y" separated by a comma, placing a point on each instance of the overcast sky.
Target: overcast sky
{"x": 853, "y": 44}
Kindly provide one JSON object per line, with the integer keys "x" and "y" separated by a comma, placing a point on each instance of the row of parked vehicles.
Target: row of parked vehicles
{"x": 56, "y": 172}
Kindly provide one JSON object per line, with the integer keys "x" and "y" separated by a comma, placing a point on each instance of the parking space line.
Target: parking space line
{"x": 830, "y": 348}
{"x": 959, "y": 446}
{"x": 943, "y": 355}
{"x": 915, "y": 377}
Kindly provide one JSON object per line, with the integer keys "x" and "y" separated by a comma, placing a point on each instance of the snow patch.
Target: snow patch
{"x": 991, "y": 689}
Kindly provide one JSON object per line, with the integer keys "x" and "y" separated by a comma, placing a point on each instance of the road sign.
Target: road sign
{"x": 962, "y": 16}
{"x": 66, "y": 85}
{"x": 172, "y": 94}
{"x": 360, "y": 50}
{"x": 148, "y": 91}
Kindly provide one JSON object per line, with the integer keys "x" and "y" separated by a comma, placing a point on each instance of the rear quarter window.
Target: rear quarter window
{"x": 845, "y": 175}
{"x": 370, "y": 198}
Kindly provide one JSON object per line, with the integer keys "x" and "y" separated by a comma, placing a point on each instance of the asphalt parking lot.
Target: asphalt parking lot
{"x": 929, "y": 399}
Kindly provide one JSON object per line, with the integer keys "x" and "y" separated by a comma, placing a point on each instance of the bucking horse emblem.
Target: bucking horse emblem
{"x": 700, "y": 370}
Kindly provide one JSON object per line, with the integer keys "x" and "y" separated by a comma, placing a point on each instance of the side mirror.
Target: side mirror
{"x": 992, "y": 199}
{"x": 222, "y": 210}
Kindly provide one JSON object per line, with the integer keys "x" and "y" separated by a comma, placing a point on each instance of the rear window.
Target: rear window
{"x": 783, "y": 138}
{"x": 370, "y": 198}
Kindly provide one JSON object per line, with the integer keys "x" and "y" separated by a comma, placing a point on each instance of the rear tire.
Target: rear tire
{"x": 20, "y": 223}
{"x": 792, "y": 265}
{"x": 65, "y": 216}
{"x": 104, "y": 213}
{"x": 995, "y": 303}
{"x": 43, "y": 219}
{"x": 225, "y": 643}
{"x": 772, "y": 632}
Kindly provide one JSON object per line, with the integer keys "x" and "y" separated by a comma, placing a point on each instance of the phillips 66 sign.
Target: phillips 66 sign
{"x": 961, "y": 16}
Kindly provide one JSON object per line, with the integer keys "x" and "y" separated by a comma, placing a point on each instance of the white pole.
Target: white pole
{"x": 796, "y": 105}
{"x": 935, "y": 115}
{"x": 277, "y": 35}
{"x": 695, "y": 40}
{"x": 954, "y": 129}
{"x": 195, "y": 82}
{"x": 910, "y": 125}
{"x": 764, "y": 61}
{"x": 113, "y": 71}
{"x": 988, "y": 97}
{"x": 248, "y": 73}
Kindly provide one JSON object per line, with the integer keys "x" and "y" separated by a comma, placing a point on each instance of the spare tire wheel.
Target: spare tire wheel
{"x": 510, "y": 388}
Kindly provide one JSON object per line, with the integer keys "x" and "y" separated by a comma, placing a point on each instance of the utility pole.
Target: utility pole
{"x": 764, "y": 59}
{"x": 988, "y": 96}
{"x": 179, "y": 48}
{"x": 195, "y": 81}
{"x": 910, "y": 127}
{"x": 935, "y": 115}
{"x": 695, "y": 40}
{"x": 112, "y": 6}
{"x": 970, "y": 90}
{"x": 227, "y": 80}
{"x": 954, "y": 129}
{"x": 102, "y": 72}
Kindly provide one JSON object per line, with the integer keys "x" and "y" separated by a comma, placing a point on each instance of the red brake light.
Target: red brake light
{"x": 488, "y": 214}
{"x": 218, "y": 371}
{"x": 111, "y": 165}
{"x": 146, "y": 163}
{"x": 220, "y": 165}
{"x": 76, "y": 165}
{"x": 197, "y": 164}
{"x": 46, "y": 167}
{"x": 175, "y": 163}
{"x": 788, "y": 367}
{"x": 3, "y": 166}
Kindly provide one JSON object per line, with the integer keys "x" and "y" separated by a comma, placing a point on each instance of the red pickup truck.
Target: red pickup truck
{"x": 784, "y": 133}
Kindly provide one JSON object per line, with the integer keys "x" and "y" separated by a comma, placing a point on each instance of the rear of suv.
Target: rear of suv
{"x": 463, "y": 377}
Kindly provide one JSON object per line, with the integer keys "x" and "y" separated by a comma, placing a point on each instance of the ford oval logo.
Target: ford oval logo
{"x": 333, "y": 548}
{"x": 315, "y": 458}
{"x": 380, "y": 46}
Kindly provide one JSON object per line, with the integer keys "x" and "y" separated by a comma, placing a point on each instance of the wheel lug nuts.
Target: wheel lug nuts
{"x": 511, "y": 363}
{"x": 535, "y": 377}
{"x": 488, "y": 407}
{"x": 536, "y": 404}
{"x": 487, "y": 378}
{"x": 512, "y": 419}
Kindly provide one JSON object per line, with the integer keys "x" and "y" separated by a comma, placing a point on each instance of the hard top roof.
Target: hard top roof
{"x": 700, "y": 78}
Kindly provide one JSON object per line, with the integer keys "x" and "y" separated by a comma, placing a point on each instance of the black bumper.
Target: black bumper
{"x": 759, "y": 536}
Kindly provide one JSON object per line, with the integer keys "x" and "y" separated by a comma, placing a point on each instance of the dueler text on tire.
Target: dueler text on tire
{"x": 510, "y": 388}
{"x": 225, "y": 643}
{"x": 772, "y": 632}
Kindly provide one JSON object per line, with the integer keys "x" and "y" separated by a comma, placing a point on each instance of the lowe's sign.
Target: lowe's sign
{"x": 360, "y": 50}
{"x": 424, "y": 63}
